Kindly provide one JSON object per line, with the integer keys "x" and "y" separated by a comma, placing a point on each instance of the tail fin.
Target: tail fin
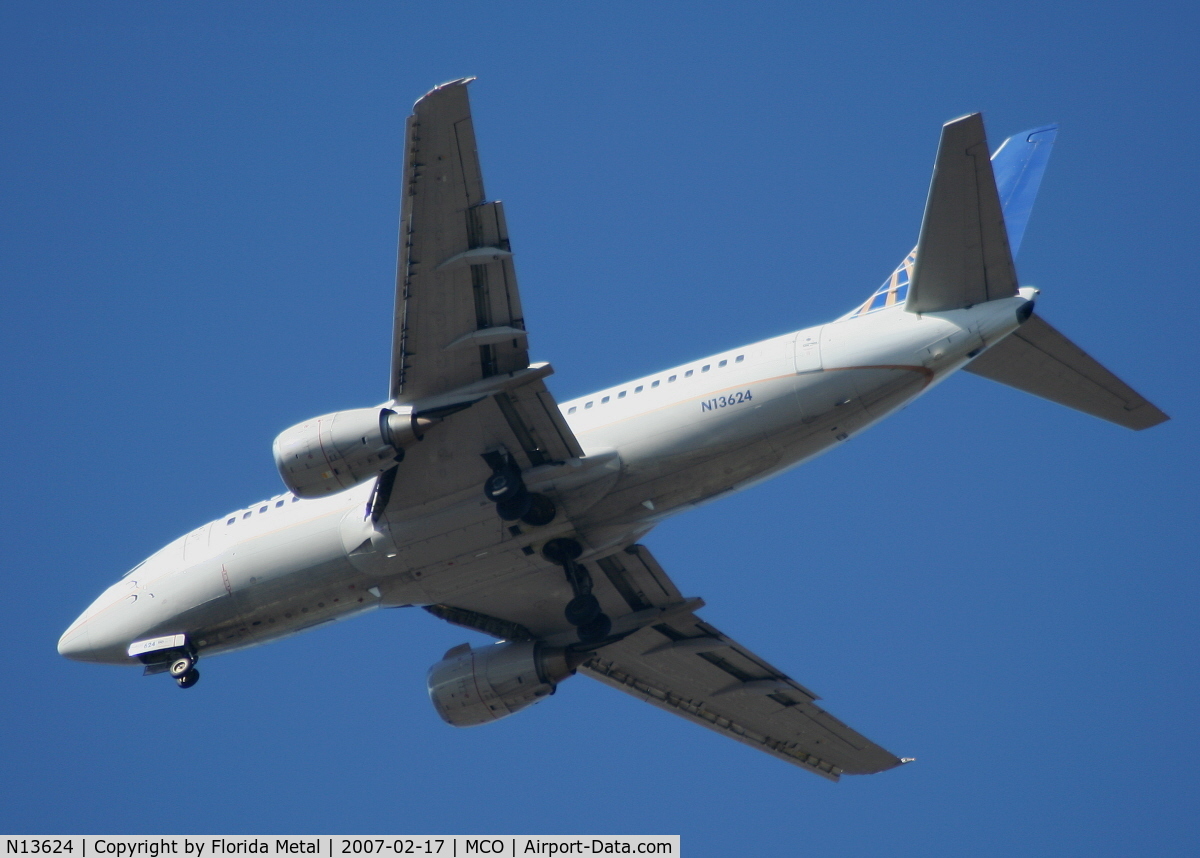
{"x": 1018, "y": 165}
{"x": 1036, "y": 358}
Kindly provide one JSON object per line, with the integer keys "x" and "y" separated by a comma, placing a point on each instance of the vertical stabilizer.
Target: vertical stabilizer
{"x": 1019, "y": 165}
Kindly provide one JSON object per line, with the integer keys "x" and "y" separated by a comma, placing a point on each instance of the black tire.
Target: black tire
{"x": 181, "y": 666}
{"x": 188, "y": 679}
{"x": 503, "y": 484}
{"x": 542, "y": 511}
{"x": 582, "y": 610}
{"x": 515, "y": 507}
{"x": 596, "y": 629}
{"x": 561, "y": 550}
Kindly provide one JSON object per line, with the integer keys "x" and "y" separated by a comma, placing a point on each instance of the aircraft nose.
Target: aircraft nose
{"x": 98, "y": 636}
{"x": 75, "y": 643}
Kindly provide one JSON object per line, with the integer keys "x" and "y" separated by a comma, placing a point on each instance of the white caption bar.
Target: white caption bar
{"x": 340, "y": 846}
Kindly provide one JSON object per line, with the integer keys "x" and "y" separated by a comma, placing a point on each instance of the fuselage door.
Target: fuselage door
{"x": 808, "y": 350}
{"x": 195, "y": 546}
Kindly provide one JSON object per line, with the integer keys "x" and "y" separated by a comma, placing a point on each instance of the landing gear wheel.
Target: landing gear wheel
{"x": 188, "y": 679}
{"x": 515, "y": 506}
{"x": 582, "y": 610}
{"x": 561, "y": 551}
{"x": 541, "y": 511}
{"x": 503, "y": 484}
{"x": 596, "y": 629}
{"x": 181, "y": 666}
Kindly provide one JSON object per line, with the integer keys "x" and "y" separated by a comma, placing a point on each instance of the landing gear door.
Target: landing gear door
{"x": 808, "y": 350}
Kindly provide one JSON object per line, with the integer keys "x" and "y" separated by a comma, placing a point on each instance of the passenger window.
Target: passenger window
{"x": 262, "y": 509}
{"x": 246, "y": 515}
{"x": 621, "y": 395}
{"x": 655, "y": 384}
{"x": 572, "y": 409}
{"x": 722, "y": 363}
{"x": 687, "y": 374}
{"x": 278, "y": 504}
{"x": 739, "y": 359}
{"x": 706, "y": 367}
{"x": 638, "y": 389}
{"x": 589, "y": 405}
{"x": 232, "y": 520}
{"x": 672, "y": 378}
{"x": 295, "y": 499}
{"x": 604, "y": 400}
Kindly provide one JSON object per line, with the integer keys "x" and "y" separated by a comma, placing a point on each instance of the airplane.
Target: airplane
{"x": 473, "y": 494}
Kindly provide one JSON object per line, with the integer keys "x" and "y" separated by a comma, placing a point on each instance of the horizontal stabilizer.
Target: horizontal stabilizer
{"x": 1039, "y": 360}
{"x": 963, "y": 256}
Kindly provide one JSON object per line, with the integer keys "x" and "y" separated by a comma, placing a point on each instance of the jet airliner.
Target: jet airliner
{"x": 472, "y": 493}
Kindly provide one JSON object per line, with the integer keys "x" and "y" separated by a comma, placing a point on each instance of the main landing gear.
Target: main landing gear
{"x": 184, "y": 671}
{"x": 583, "y": 611}
{"x": 507, "y": 490}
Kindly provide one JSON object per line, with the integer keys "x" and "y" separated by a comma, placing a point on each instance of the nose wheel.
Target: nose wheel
{"x": 583, "y": 611}
{"x": 183, "y": 669}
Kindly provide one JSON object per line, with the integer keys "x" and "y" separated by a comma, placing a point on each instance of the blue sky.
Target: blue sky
{"x": 197, "y": 246}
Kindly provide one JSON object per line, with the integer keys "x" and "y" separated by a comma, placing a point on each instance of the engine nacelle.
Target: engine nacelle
{"x": 336, "y": 451}
{"x": 475, "y": 686}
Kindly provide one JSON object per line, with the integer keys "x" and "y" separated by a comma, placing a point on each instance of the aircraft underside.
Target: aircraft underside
{"x": 472, "y": 493}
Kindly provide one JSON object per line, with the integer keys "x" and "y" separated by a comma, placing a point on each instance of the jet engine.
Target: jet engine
{"x": 336, "y": 451}
{"x": 475, "y": 686}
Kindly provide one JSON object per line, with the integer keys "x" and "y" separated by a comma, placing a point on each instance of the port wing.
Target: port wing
{"x": 459, "y": 334}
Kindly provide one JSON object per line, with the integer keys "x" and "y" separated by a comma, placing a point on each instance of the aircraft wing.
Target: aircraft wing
{"x": 689, "y": 668}
{"x": 459, "y": 333}
{"x": 678, "y": 662}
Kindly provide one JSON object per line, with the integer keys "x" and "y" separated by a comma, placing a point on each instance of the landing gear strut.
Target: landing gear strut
{"x": 514, "y": 502}
{"x": 583, "y": 611}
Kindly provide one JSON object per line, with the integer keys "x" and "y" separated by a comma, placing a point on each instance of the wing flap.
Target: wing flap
{"x": 1038, "y": 359}
{"x": 962, "y": 256}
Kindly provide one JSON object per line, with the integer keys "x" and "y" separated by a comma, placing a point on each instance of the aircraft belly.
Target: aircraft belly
{"x": 269, "y": 586}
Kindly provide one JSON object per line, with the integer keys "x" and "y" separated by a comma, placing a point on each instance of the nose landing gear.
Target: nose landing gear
{"x": 183, "y": 669}
{"x": 583, "y": 611}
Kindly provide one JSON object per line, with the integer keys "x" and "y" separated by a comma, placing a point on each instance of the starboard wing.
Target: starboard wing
{"x": 687, "y": 667}
{"x": 678, "y": 662}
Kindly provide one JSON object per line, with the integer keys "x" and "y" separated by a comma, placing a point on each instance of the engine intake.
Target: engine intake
{"x": 474, "y": 686}
{"x": 333, "y": 452}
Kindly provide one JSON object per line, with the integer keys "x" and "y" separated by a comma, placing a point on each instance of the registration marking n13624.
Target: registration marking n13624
{"x": 725, "y": 401}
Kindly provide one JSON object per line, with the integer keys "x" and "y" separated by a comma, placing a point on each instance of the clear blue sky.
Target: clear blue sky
{"x": 197, "y": 242}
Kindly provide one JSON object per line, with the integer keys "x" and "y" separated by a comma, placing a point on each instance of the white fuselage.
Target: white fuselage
{"x": 655, "y": 446}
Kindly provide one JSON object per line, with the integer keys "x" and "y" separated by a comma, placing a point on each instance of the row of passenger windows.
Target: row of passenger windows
{"x": 654, "y": 384}
{"x": 262, "y": 508}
